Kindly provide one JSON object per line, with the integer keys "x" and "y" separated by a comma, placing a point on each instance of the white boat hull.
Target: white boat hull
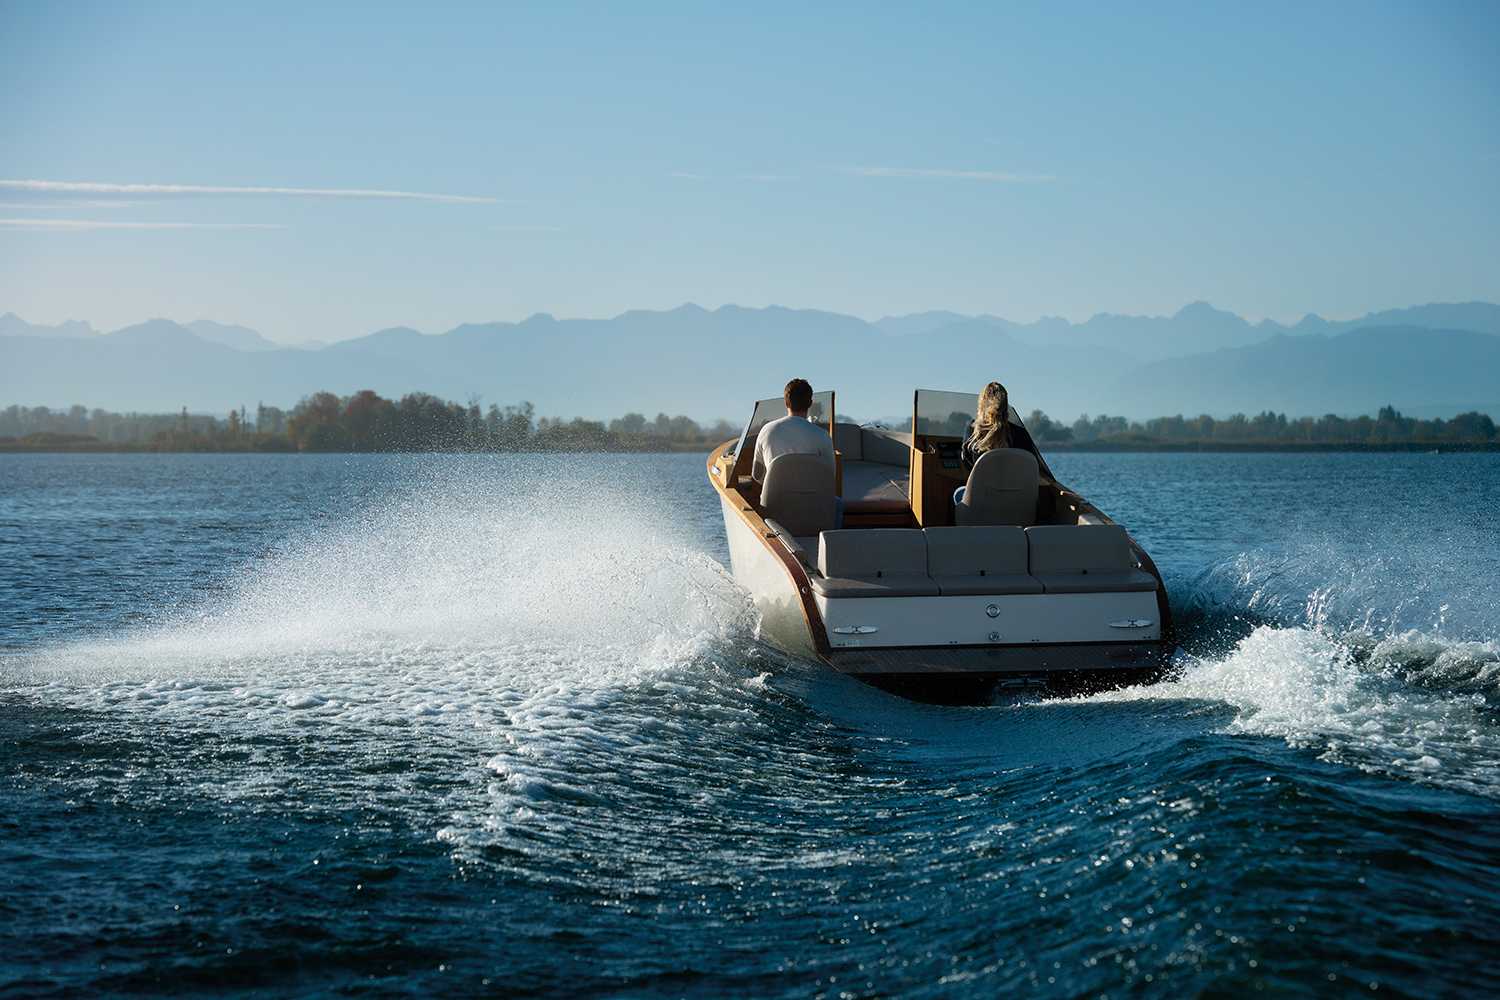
{"x": 771, "y": 587}
{"x": 942, "y": 647}
{"x": 1001, "y": 620}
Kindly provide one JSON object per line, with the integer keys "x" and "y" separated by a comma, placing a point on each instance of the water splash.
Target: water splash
{"x": 1351, "y": 655}
{"x": 450, "y": 589}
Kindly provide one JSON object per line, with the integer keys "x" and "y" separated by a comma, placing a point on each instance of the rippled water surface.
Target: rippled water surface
{"x": 469, "y": 725}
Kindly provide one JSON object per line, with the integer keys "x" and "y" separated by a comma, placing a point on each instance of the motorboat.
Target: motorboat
{"x": 873, "y": 569}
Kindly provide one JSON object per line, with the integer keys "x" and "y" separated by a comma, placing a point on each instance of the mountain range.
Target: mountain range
{"x": 1431, "y": 360}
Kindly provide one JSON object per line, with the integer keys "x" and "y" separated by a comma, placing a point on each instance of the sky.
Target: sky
{"x": 281, "y": 167}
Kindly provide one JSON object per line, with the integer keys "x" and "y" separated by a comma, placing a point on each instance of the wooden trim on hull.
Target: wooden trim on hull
{"x": 729, "y": 493}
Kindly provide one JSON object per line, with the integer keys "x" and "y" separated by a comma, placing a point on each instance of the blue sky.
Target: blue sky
{"x": 1272, "y": 159}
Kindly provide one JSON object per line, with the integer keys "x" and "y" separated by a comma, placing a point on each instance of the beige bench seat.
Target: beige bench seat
{"x": 1085, "y": 559}
{"x": 979, "y": 560}
{"x": 900, "y": 585}
{"x": 873, "y": 562}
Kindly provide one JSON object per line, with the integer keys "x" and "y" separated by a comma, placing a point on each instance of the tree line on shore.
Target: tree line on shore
{"x": 1388, "y": 427}
{"x": 368, "y": 422}
{"x": 363, "y": 422}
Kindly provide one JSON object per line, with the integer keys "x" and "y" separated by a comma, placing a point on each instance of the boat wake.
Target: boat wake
{"x": 453, "y": 594}
{"x": 512, "y": 724}
{"x": 544, "y": 627}
{"x": 1365, "y": 663}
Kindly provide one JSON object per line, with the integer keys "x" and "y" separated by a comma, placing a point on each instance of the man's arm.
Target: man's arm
{"x": 758, "y": 466}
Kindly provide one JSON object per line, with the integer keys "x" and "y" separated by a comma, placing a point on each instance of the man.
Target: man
{"x": 792, "y": 434}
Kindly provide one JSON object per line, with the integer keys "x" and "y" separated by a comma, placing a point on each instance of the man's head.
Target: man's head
{"x": 798, "y": 397}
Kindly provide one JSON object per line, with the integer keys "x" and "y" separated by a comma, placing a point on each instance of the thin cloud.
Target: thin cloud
{"x": 102, "y": 187}
{"x": 688, "y": 175}
{"x": 988, "y": 176}
{"x": 526, "y": 229}
{"x": 81, "y": 203}
{"x": 81, "y": 225}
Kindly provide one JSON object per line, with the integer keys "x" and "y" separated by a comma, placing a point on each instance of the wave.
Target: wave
{"x": 1370, "y": 583}
{"x": 456, "y": 587}
{"x": 544, "y": 623}
{"x": 1321, "y": 647}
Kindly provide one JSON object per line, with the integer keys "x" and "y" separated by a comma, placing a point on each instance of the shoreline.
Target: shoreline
{"x": 1414, "y": 447}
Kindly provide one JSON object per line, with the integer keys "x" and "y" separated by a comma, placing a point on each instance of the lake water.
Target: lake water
{"x": 500, "y": 724}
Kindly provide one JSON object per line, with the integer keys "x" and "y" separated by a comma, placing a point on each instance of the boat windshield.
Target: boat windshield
{"x": 947, "y": 414}
{"x": 943, "y": 414}
{"x": 767, "y": 410}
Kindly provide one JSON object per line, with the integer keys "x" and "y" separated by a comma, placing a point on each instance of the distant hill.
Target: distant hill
{"x": 1198, "y": 327}
{"x": 1194, "y": 328}
{"x": 1479, "y": 317}
{"x": 714, "y": 363}
{"x": 241, "y": 338}
{"x": 12, "y": 325}
{"x": 1347, "y": 372}
{"x": 917, "y": 324}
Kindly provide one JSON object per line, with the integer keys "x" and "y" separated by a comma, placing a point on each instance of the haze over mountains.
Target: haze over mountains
{"x": 1431, "y": 360}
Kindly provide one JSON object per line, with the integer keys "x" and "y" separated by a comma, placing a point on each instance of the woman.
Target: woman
{"x": 990, "y": 429}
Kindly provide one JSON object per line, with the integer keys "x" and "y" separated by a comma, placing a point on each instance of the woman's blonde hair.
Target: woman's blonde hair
{"x": 991, "y": 419}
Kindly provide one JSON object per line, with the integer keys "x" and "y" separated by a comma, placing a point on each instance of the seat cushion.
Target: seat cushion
{"x": 872, "y": 552}
{"x": 885, "y": 446}
{"x": 846, "y": 438}
{"x": 873, "y": 488}
{"x": 1100, "y": 582}
{"x": 974, "y": 550}
{"x": 886, "y": 506}
{"x": 873, "y": 562}
{"x": 974, "y": 584}
{"x": 1085, "y": 558}
{"x": 1073, "y": 548}
{"x": 897, "y": 585}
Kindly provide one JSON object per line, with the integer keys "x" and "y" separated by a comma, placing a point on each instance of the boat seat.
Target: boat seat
{"x": 846, "y": 438}
{"x": 1084, "y": 559}
{"x": 798, "y": 493}
{"x": 1002, "y": 489}
{"x": 980, "y": 560}
{"x": 887, "y": 447}
{"x": 873, "y": 562}
{"x": 875, "y": 488}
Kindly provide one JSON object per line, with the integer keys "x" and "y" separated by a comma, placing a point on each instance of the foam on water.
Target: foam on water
{"x": 1366, "y": 585}
{"x": 451, "y": 592}
{"x": 531, "y": 642}
{"x": 534, "y": 615}
{"x": 1317, "y": 648}
{"x": 516, "y": 724}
